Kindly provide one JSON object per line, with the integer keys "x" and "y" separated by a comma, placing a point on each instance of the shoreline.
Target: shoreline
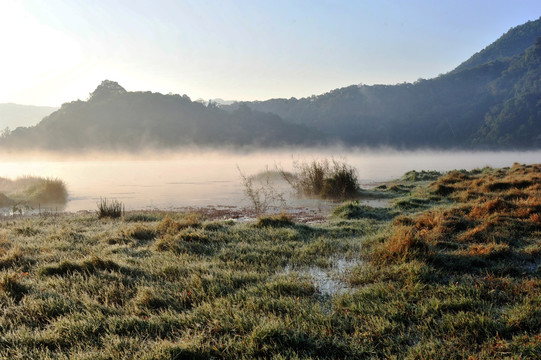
{"x": 210, "y": 212}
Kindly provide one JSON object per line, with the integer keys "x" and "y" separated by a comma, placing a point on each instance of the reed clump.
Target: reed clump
{"x": 112, "y": 209}
{"x": 328, "y": 179}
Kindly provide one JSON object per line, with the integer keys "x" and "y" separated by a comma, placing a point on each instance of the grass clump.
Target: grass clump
{"x": 422, "y": 175}
{"x": 325, "y": 179}
{"x": 139, "y": 232}
{"x": 89, "y": 266}
{"x": 112, "y": 209}
{"x": 412, "y": 204}
{"x": 188, "y": 240}
{"x": 10, "y": 285}
{"x": 354, "y": 210}
{"x": 173, "y": 225}
{"x": 281, "y": 220}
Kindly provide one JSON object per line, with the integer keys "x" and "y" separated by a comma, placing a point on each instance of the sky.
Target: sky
{"x": 57, "y": 51}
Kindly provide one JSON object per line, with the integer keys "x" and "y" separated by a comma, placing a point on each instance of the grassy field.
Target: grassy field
{"x": 450, "y": 270}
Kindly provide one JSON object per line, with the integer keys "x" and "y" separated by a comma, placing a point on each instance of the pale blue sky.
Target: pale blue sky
{"x": 57, "y": 51}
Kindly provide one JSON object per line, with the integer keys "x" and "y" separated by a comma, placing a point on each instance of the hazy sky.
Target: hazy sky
{"x": 57, "y": 51}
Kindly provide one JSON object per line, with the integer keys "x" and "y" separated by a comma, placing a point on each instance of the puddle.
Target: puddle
{"x": 328, "y": 281}
{"x": 376, "y": 203}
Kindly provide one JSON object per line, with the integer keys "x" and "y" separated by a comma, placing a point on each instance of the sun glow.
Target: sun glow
{"x": 38, "y": 54}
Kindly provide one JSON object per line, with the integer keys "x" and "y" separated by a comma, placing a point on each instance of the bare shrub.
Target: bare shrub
{"x": 261, "y": 192}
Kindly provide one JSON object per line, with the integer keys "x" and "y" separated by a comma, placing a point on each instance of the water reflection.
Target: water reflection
{"x": 329, "y": 281}
{"x": 211, "y": 178}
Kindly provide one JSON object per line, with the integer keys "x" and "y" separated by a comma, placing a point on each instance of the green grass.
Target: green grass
{"x": 452, "y": 276}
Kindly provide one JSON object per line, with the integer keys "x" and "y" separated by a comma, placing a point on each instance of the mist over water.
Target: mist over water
{"x": 211, "y": 178}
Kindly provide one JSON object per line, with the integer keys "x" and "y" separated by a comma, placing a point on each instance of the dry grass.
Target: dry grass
{"x": 280, "y": 220}
{"x": 493, "y": 216}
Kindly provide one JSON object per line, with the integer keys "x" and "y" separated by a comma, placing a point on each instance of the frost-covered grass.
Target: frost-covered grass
{"x": 437, "y": 275}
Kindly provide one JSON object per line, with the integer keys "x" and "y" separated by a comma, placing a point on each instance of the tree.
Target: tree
{"x": 105, "y": 90}
{"x": 5, "y": 133}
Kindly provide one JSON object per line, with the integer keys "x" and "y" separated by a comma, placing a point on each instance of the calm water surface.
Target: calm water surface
{"x": 212, "y": 178}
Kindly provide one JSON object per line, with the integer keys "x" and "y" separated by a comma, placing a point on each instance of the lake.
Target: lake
{"x": 187, "y": 178}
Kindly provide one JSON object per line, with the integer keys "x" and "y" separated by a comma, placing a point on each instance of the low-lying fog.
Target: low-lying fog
{"x": 189, "y": 178}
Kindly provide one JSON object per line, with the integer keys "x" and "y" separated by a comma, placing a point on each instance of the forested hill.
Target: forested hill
{"x": 115, "y": 119}
{"x": 490, "y": 101}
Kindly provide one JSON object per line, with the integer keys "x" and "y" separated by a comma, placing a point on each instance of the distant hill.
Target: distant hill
{"x": 115, "y": 119}
{"x": 15, "y": 115}
{"x": 491, "y": 100}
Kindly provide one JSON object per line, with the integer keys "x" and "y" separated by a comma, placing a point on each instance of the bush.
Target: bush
{"x": 110, "y": 209}
{"x": 259, "y": 189}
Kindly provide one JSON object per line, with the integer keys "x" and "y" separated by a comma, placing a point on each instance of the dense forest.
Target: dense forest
{"x": 491, "y": 101}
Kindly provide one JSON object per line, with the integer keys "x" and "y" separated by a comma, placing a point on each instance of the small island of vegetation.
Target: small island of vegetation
{"x": 32, "y": 192}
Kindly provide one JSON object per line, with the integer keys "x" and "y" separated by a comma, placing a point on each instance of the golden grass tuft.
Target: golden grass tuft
{"x": 491, "y": 250}
{"x": 490, "y": 207}
{"x": 172, "y": 226}
{"x": 404, "y": 244}
{"x": 280, "y": 220}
